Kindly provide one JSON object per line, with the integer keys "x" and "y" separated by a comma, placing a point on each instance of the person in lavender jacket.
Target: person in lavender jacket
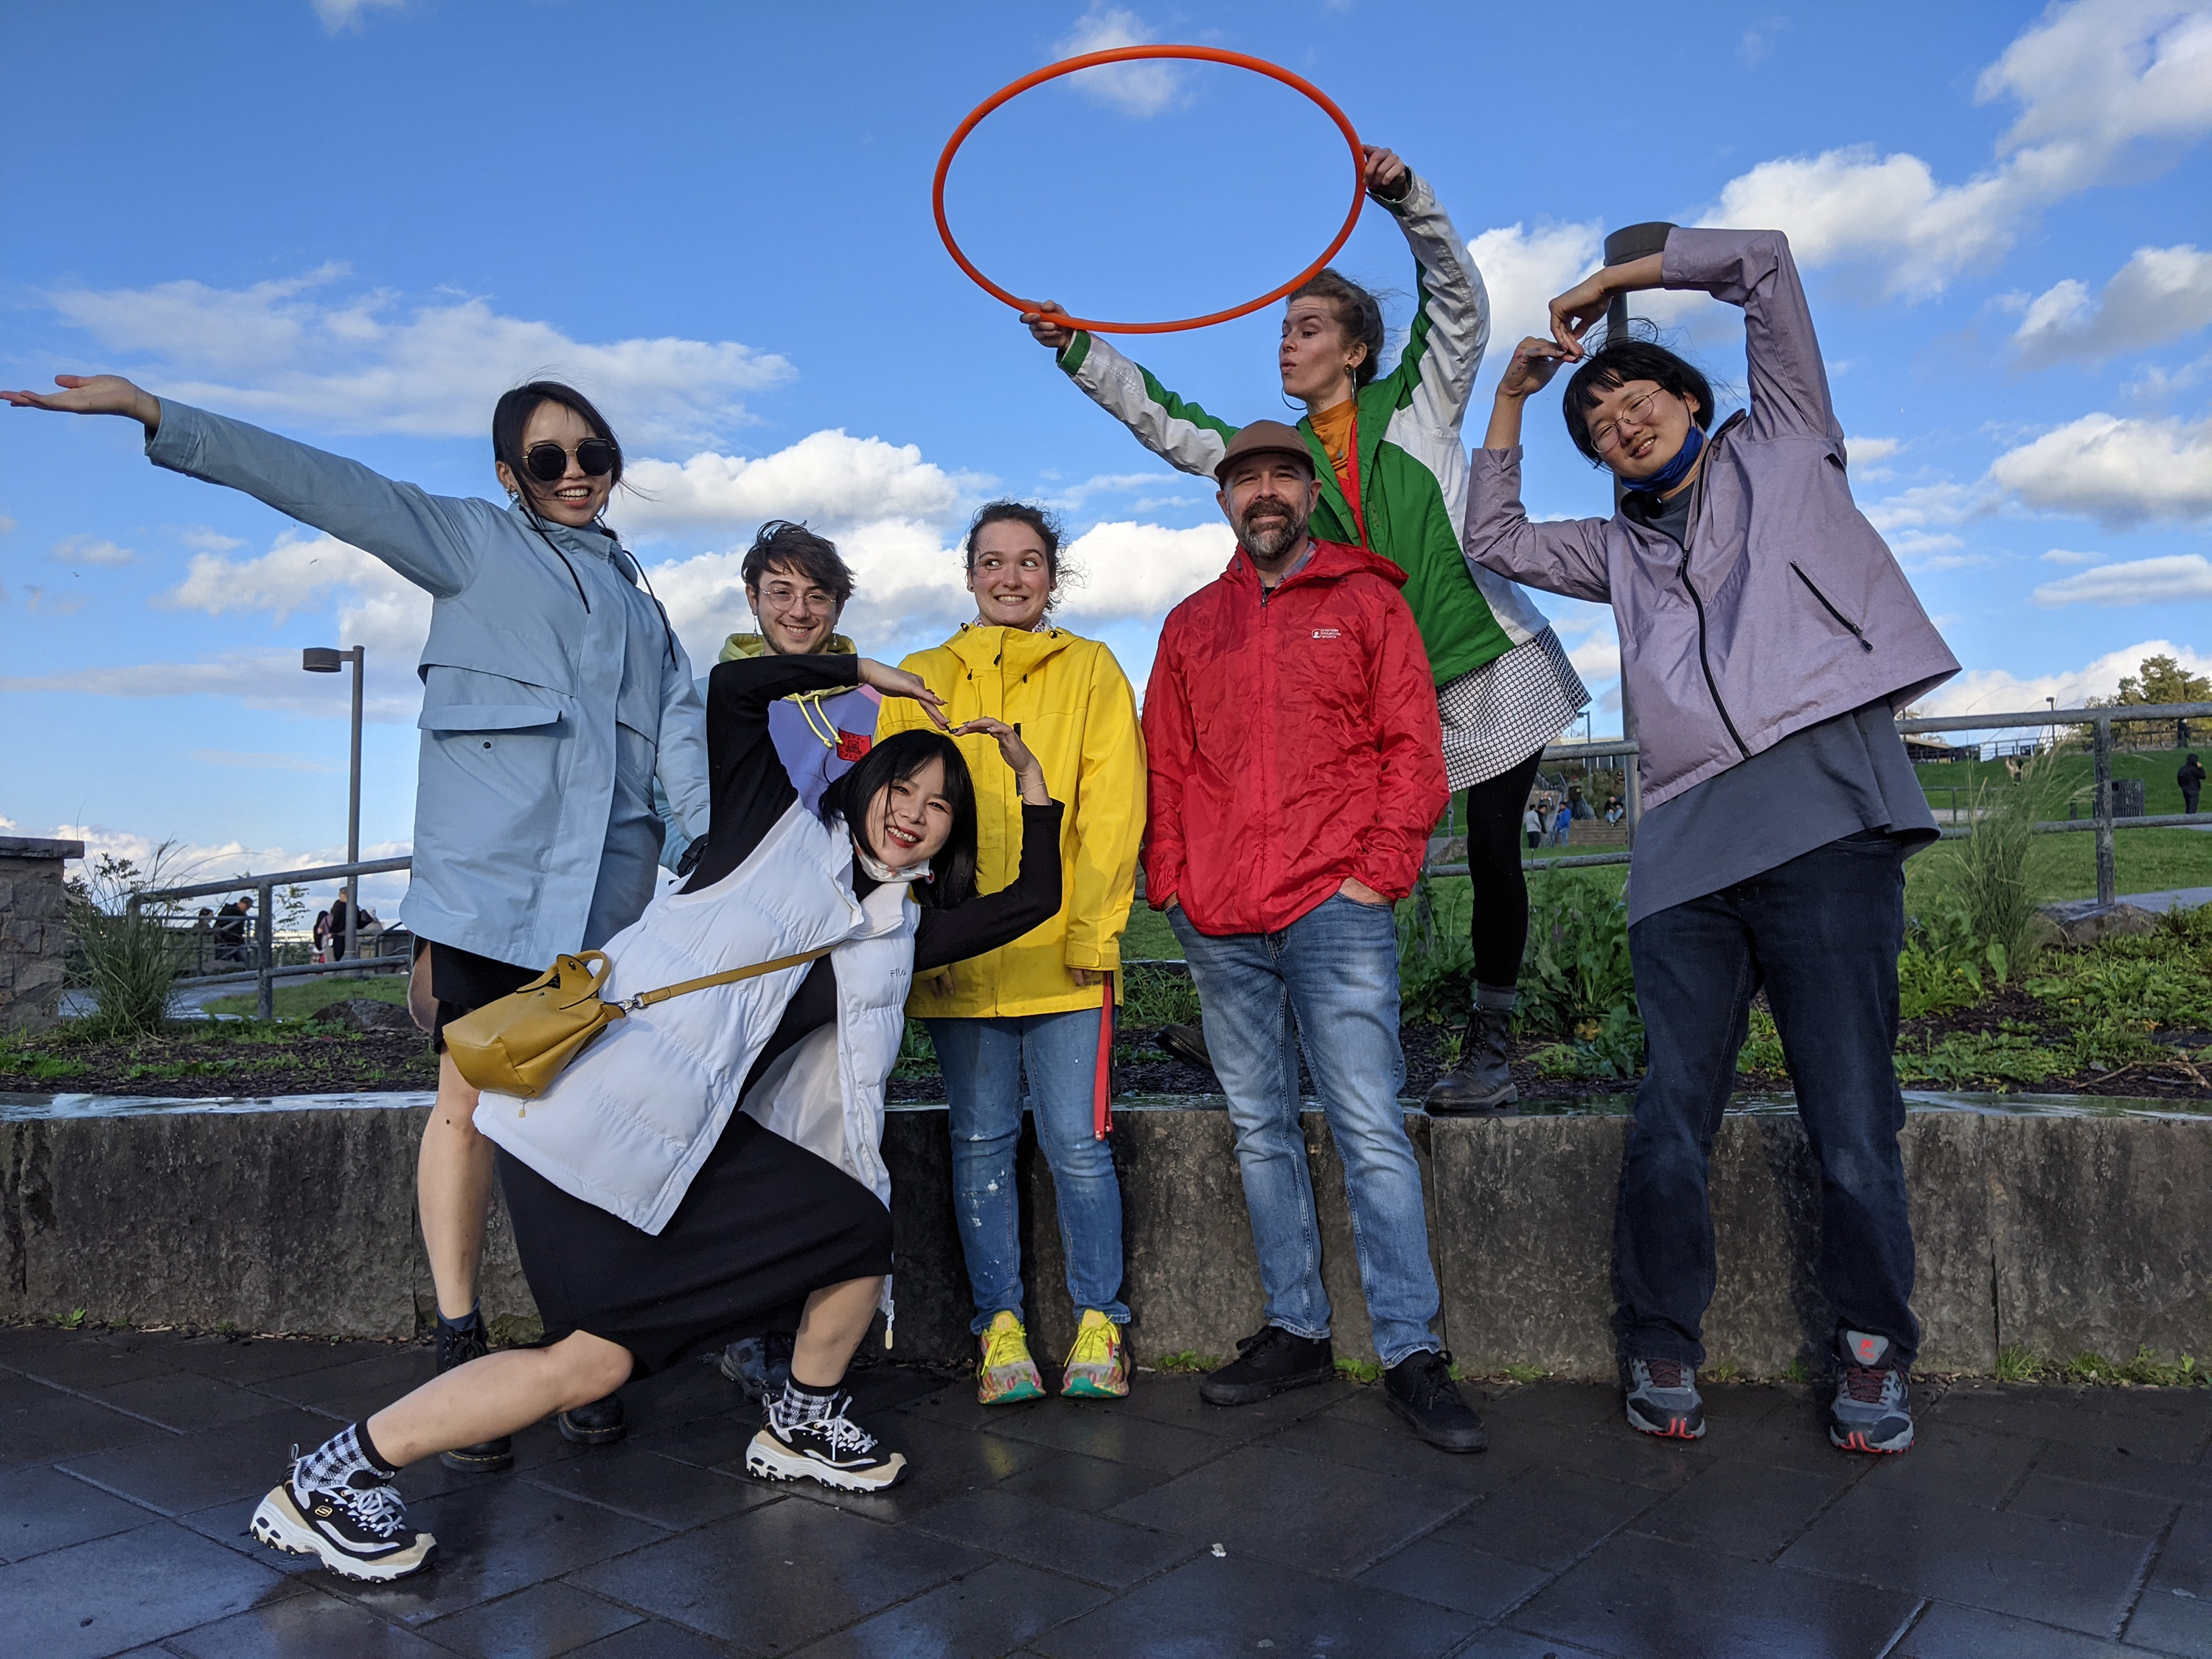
{"x": 1767, "y": 636}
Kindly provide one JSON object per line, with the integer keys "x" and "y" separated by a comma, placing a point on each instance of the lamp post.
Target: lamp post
{"x": 326, "y": 659}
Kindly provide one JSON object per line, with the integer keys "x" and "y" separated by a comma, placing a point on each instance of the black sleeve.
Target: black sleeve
{"x": 985, "y": 923}
{"x": 752, "y": 790}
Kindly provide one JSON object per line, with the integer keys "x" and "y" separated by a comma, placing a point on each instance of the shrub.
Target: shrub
{"x": 1575, "y": 969}
{"x": 1435, "y": 963}
{"x": 1990, "y": 878}
{"x": 126, "y": 957}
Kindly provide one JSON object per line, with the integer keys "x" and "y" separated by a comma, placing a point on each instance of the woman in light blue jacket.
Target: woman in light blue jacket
{"x": 554, "y": 691}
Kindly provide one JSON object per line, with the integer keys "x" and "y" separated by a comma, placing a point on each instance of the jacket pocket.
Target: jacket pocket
{"x": 485, "y": 717}
{"x": 1814, "y": 588}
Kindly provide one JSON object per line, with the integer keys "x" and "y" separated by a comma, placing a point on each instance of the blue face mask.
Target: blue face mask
{"x": 1693, "y": 444}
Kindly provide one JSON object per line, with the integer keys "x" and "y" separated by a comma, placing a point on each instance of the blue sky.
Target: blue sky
{"x": 356, "y": 222}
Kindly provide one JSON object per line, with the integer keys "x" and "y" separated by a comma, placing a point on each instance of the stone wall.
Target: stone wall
{"x": 2058, "y": 1234}
{"x": 33, "y": 929}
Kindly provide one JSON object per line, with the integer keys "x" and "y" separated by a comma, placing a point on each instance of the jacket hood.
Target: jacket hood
{"x": 979, "y": 645}
{"x": 1329, "y": 562}
{"x": 738, "y": 647}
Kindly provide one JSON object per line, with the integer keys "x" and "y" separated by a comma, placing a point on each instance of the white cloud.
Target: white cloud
{"x": 2161, "y": 293}
{"x": 299, "y": 351}
{"x": 2063, "y": 555}
{"x": 2117, "y": 470}
{"x": 45, "y": 602}
{"x": 1135, "y": 572}
{"x": 2107, "y": 89}
{"x": 828, "y": 478}
{"x": 1906, "y": 542}
{"x": 92, "y": 550}
{"x": 1865, "y": 451}
{"x": 205, "y": 540}
{"x": 2174, "y": 579}
{"x": 261, "y": 762}
{"x": 7, "y": 524}
{"x": 1143, "y": 88}
{"x": 186, "y": 863}
{"x": 1927, "y": 504}
{"x": 1992, "y": 690}
{"x": 259, "y": 679}
{"x": 341, "y": 15}
{"x": 1525, "y": 270}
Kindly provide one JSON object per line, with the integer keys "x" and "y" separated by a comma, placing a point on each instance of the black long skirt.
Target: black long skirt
{"x": 765, "y": 1224}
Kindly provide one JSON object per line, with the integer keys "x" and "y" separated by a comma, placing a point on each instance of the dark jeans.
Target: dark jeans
{"x": 1821, "y": 934}
{"x": 2188, "y": 793}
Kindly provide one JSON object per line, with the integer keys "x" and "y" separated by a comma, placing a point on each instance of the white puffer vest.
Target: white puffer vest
{"x": 627, "y": 1125}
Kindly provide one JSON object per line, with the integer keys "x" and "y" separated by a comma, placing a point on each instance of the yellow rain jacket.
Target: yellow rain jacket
{"x": 1073, "y": 706}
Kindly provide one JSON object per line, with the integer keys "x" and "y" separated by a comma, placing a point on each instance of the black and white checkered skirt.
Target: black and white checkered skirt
{"x": 1499, "y": 715}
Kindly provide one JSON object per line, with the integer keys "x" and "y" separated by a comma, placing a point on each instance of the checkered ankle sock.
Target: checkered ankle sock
{"x": 331, "y": 1464}
{"x": 800, "y": 1404}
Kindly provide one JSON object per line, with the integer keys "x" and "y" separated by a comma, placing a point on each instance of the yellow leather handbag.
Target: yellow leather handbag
{"x": 519, "y": 1044}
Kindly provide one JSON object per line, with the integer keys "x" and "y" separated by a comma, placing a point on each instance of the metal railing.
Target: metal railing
{"x": 267, "y": 970}
{"x": 2102, "y": 823}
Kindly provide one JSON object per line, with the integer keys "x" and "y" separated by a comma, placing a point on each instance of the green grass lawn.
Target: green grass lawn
{"x": 2155, "y": 767}
{"x": 300, "y": 999}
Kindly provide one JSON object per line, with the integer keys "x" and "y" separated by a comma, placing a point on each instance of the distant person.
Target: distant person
{"x": 1614, "y": 812}
{"x": 797, "y": 585}
{"x": 1563, "y": 821}
{"x": 1532, "y": 826}
{"x": 2191, "y": 777}
{"x": 554, "y": 693}
{"x": 1291, "y": 731}
{"x": 1393, "y": 470}
{"x": 322, "y": 932}
{"x": 1767, "y": 638}
{"x": 338, "y": 935}
{"x": 230, "y": 929}
{"x": 1039, "y": 1011}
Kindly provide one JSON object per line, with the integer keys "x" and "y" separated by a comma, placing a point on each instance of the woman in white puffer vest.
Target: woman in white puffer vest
{"x": 710, "y": 1167}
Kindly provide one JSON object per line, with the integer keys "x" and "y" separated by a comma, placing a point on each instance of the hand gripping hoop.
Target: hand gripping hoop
{"x": 1127, "y": 54}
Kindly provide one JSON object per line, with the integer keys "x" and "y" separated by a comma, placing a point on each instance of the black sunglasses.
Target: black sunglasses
{"x": 547, "y": 461}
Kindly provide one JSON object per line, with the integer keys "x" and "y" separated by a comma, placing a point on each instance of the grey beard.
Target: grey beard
{"x": 1271, "y": 537}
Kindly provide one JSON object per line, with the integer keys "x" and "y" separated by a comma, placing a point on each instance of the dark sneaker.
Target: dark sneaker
{"x": 1664, "y": 1400}
{"x": 759, "y": 1365}
{"x": 1872, "y": 1410}
{"x": 359, "y": 1531}
{"x": 831, "y": 1448}
{"x": 457, "y": 1345}
{"x": 1482, "y": 1082}
{"x": 1186, "y": 1043}
{"x": 599, "y": 1424}
{"x": 1419, "y": 1388}
{"x": 1268, "y": 1363}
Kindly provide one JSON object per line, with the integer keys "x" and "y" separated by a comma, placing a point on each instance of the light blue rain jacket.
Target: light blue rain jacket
{"x": 553, "y": 692}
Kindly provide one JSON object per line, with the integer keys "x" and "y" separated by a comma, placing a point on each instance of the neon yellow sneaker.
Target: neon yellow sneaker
{"x": 1097, "y": 1368}
{"x": 1007, "y": 1374}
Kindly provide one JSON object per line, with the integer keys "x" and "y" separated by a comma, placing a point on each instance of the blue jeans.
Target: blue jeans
{"x": 1335, "y": 970}
{"x": 983, "y": 1061}
{"x": 1821, "y": 934}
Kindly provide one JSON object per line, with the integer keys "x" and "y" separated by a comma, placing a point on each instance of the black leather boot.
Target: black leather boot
{"x": 599, "y": 1424}
{"x": 459, "y": 1342}
{"x": 1482, "y": 1083}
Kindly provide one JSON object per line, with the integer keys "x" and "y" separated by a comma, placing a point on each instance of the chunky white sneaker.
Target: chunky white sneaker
{"x": 360, "y": 1530}
{"x": 831, "y": 1448}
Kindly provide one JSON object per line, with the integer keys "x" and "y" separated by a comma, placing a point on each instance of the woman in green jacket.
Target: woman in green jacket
{"x": 1394, "y": 479}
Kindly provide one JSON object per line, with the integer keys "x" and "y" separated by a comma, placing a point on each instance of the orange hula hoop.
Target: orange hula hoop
{"x": 1122, "y": 55}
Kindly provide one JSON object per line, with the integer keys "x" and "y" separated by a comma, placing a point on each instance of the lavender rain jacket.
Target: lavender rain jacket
{"x": 1788, "y": 608}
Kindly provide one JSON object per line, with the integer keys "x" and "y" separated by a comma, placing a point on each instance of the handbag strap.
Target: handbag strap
{"x": 727, "y": 977}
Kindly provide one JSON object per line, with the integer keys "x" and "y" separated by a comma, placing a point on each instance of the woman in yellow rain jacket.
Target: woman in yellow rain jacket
{"x": 1042, "y": 1004}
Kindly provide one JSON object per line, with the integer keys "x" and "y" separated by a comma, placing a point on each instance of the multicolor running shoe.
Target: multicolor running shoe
{"x": 1006, "y": 1375}
{"x": 1097, "y": 1367}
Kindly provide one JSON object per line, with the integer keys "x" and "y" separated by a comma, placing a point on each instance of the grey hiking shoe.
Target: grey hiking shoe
{"x": 1872, "y": 1410}
{"x": 1482, "y": 1082}
{"x": 1664, "y": 1400}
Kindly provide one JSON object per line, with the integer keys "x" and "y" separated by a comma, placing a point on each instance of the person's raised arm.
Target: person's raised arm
{"x": 1170, "y": 746}
{"x": 423, "y": 537}
{"x": 991, "y": 919}
{"x": 1561, "y": 557}
{"x": 1435, "y": 374}
{"x": 1179, "y": 433}
{"x": 1108, "y": 801}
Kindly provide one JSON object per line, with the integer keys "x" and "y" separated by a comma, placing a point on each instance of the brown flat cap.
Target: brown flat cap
{"x": 1264, "y": 438}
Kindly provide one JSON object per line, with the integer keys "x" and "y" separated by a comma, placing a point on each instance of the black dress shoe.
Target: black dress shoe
{"x": 1419, "y": 1388}
{"x": 457, "y": 1345}
{"x": 1186, "y": 1043}
{"x": 1269, "y": 1363}
{"x": 599, "y": 1424}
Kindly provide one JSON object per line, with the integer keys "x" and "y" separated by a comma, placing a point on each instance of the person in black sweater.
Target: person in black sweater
{"x": 768, "y": 1235}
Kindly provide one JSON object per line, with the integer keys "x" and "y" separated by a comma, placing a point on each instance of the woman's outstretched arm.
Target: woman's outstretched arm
{"x": 986, "y": 922}
{"x": 424, "y": 538}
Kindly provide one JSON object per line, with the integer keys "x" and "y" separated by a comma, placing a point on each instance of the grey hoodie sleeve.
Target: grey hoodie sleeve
{"x": 1752, "y": 270}
{"x": 425, "y": 537}
{"x": 1561, "y": 556}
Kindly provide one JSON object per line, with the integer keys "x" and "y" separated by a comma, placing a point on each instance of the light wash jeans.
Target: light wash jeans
{"x": 983, "y": 1061}
{"x": 1335, "y": 969}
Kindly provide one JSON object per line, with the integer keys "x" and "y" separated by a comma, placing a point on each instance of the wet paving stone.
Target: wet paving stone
{"x": 2031, "y": 1523}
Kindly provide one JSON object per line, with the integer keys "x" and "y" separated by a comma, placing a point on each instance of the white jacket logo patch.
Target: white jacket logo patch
{"x": 1328, "y": 633}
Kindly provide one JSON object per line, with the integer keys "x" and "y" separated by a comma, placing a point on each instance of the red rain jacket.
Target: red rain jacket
{"x": 1292, "y": 741}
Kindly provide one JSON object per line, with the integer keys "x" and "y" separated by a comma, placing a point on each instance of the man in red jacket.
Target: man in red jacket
{"x": 1296, "y": 768}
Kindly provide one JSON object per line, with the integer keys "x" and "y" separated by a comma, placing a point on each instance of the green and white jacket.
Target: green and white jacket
{"x": 1412, "y": 466}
